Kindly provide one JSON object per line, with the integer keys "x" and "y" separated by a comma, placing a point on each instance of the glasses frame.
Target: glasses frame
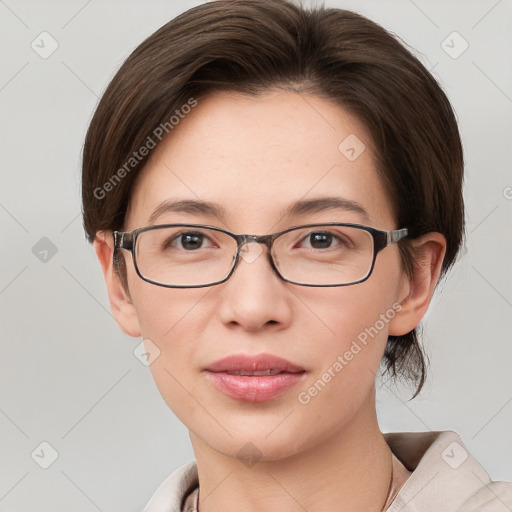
{"x": 127, "y": 240}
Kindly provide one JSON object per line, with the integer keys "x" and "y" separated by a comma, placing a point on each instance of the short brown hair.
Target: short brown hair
{"x": 249, "y": 46}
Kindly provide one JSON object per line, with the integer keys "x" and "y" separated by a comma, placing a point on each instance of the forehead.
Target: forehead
{"x": 256, "y": 155}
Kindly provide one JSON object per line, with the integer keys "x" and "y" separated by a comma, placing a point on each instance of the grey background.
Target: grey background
{"x": 68, "y": 374}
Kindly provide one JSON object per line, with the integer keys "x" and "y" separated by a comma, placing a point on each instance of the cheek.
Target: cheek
{"x": 357, "y": 321}
{"x": 360, "y": 313}
{"x": 172, "y": 321}
{"x": 165, "y": 314}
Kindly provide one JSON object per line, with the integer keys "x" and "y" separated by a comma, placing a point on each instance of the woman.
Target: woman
{"x": 273, "y": 194}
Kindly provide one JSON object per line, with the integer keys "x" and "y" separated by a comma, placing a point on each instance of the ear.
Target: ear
{"x": 120, "y": 301}
{"x": 429, "y": 251}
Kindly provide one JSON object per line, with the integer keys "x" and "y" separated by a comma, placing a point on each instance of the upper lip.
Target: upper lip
{"x": 253, "y": 363}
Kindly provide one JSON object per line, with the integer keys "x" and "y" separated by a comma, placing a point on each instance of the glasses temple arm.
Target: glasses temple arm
{"x": 396, "y": 235}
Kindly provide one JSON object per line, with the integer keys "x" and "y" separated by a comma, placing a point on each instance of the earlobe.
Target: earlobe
{"x": 429, "y": 251}
{"x": 120, "y": 301}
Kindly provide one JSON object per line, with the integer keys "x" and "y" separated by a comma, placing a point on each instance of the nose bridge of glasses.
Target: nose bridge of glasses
{"x": 244, "y": 240}
{"x": 257, "y": 239}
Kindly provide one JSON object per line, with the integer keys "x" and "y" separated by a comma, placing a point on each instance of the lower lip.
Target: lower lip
{"x": 249, "y": 388}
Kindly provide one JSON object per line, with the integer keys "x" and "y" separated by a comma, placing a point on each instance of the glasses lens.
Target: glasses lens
{"x": 324, "y": 255}
{"x": 184, "y": 255}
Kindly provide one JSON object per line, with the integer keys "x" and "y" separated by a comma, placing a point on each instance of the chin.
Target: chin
{"x": 259, "y": 435}
{"x": 250, "y": 448}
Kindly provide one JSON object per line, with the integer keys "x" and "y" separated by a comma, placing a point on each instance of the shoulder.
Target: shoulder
{"x": 173, "y": 490}
{"x": 445, "y": 476}
{"x": 491, "y": 497}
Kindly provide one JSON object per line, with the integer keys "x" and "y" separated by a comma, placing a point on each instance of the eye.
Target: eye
{"x": 322, "y": 240}
{"x": 190, "y": 241}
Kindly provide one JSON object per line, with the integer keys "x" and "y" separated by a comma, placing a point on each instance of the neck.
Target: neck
{"x": 348, "y": 471}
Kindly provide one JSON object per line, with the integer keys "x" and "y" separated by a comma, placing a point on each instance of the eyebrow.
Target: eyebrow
{"x": 301, "y": 207}
{"x": 325, "y": 203}
{"x": 192, "y": 206}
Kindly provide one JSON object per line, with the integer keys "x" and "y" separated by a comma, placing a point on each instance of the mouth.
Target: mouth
{"x": 254, "y": 378}
{"x": 270, "y": 371}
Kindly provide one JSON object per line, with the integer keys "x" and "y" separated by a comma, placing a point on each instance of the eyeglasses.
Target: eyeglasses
{"x": 195, "y": 256}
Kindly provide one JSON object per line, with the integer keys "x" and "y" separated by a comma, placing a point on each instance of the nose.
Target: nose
{"x": 255, "y": 297}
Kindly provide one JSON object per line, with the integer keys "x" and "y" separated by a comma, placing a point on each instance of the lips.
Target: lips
{"x": 253, "y": 364}
{"x": 270, "y": 371}
{"x": 254, "y": 378}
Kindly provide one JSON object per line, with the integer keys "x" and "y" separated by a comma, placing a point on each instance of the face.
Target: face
{"x": 254, "y": 157}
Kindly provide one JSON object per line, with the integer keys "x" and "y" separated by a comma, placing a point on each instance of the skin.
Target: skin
{"x": 255, "y": 155}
